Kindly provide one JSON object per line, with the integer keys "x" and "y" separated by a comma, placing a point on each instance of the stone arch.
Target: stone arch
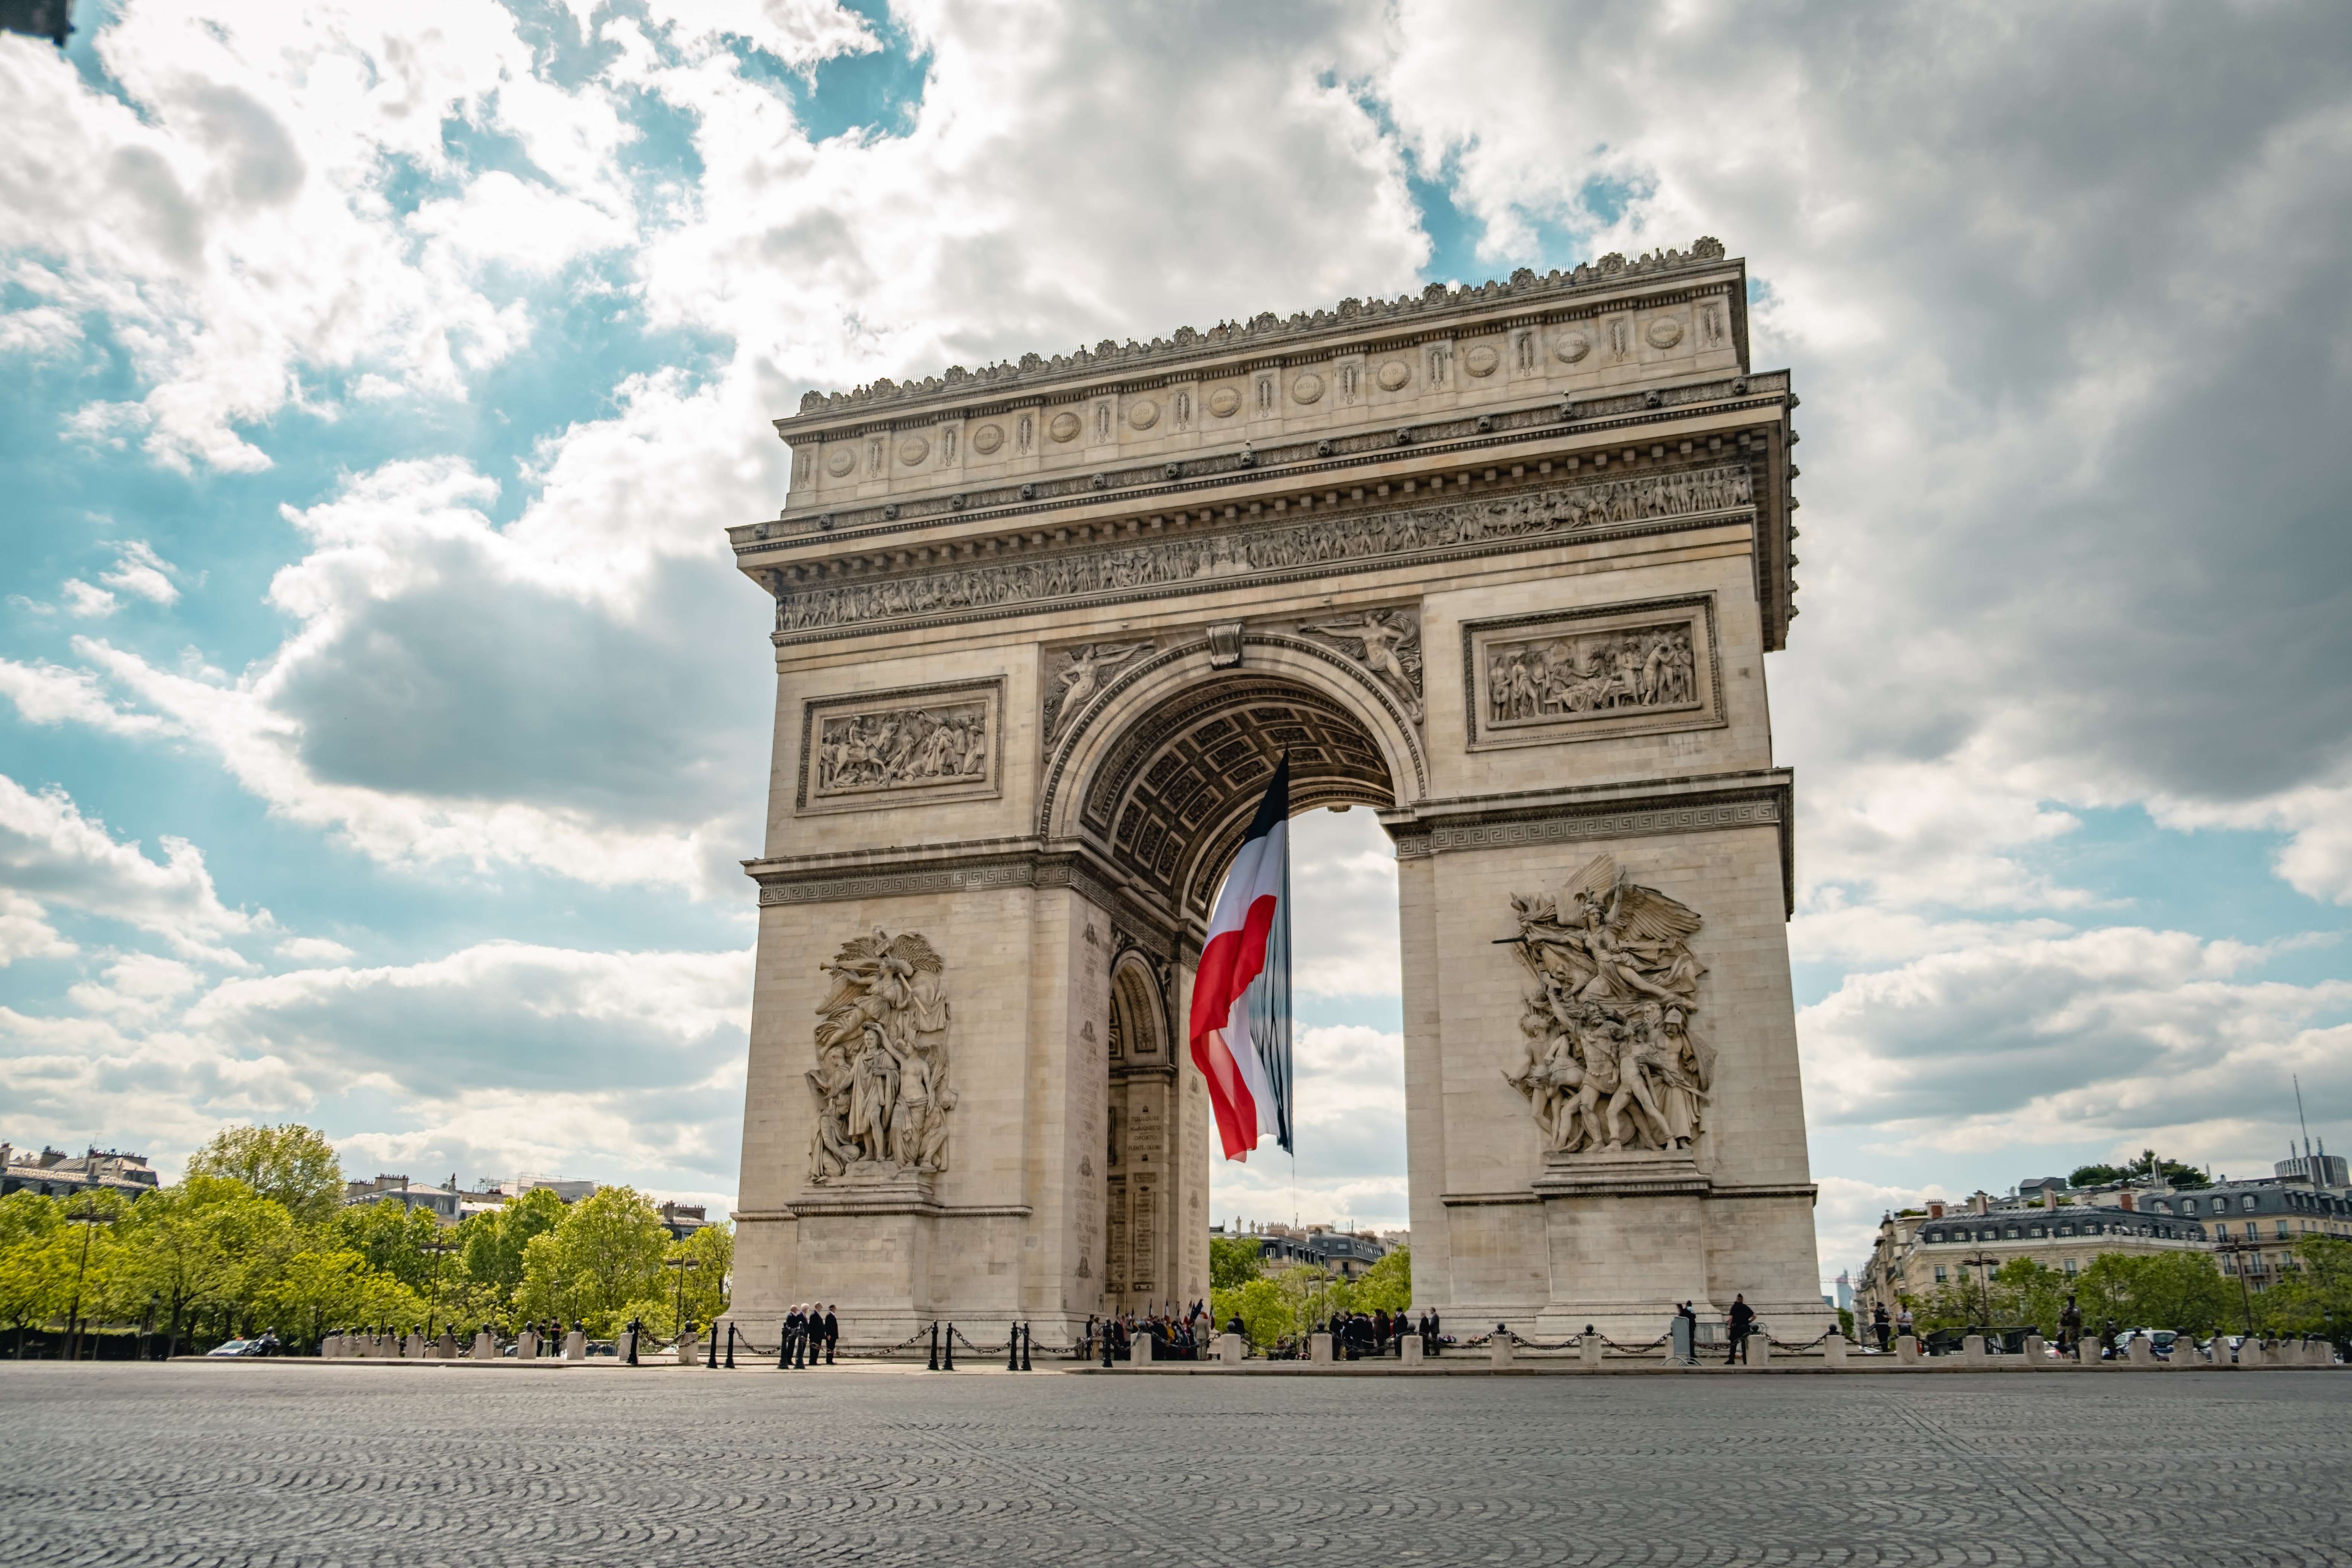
{"x": 1162, "y": 771}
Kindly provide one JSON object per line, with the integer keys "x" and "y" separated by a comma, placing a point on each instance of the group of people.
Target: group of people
{"x": 809, "y": 1329}
{"x": 869, "y": 750}
{"x": 1358, "y": 1336}
{"x": 1887, "y": 1326}
{"x": 1175, "y": 1336}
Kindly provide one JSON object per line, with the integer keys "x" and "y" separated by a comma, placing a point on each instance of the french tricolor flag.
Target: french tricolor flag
{"x": 1241, "y": 995}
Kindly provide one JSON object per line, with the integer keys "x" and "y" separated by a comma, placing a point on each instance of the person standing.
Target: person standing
{"x": 2070, "y": 1329}
{"x": 1903, "y": 1322}
{"x": 1880, "y": 1325}
{"x": 832, "y": 1333}
{"x": 1742, "y": 1316}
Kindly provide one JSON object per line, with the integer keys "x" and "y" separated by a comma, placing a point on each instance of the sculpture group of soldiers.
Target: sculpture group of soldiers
{"x": 865, "y": 751}
{"x": 1612, "y": 985}
{"x": 881, "y": 1079}
{"x": 1641, "y": 669}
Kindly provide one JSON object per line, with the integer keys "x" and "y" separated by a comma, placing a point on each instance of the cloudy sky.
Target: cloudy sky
{"x": 385, "y": 720}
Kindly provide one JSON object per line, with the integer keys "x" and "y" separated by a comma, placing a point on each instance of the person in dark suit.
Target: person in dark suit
{"x": 832, "y": 1335}
{"x": 1743, "y": 1317}
{"x": 1881, "y": 1324}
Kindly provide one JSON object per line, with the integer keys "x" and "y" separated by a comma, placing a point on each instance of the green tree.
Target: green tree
{"x": 1234, "y": 1261}
{"x": 2022, "y": 1293}
{"x": 2315, "y": 1297}
{"x": 391, "y": 1237}
{"x": 1265, "y": 1312}
{"x": 36, "y": 1262}
{"x": 2179, "y": 1290}
{"x": 208, "y": 1251}
{"x": 492, "y": 1243}
{"x": 291, "y": 1165}
{"x": 1386, "y": 1286}
{"x": 606, "y": 1256}
{"x": 318, "y": 1291}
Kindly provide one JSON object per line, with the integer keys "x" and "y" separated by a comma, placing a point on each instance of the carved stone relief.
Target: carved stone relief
{"x": 1394, "y": 375}
{"x": 1664, "y": 332}
{"x": 1578, "y": 674}
{"x": 1608, "y": 995}
{"x": 1385, "y": 642}
{"x": 881, "y": 1080}
{"x": 1073, "y": 677}
{"x": 904, "y": 747}
{"x": 1571, "y": 347}
{"x": 1224, "y": 401}
{"x": 1064, "y": 427}
{"x": 1371, "y": 538}
{"x": 1306, "y": 389}
{"x": 987, "y": 439}
{"x": 1144, "y": 413}
{"x": 1481, "y": 359}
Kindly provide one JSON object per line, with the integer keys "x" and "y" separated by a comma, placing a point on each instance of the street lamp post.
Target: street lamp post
{"x": 2245, "y": 1292}
{"x": 439, "y": 1249}
{"x": 1988, "y": 1264}
{"x": 677, "y": 1313}
{"x": 89, "y": 1219}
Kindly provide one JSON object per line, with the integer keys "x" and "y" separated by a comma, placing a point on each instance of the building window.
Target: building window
{"x": 2070, "y": 1266}
{"x": 1939, "y": 1273}
{"x": 2282, "y": 1225}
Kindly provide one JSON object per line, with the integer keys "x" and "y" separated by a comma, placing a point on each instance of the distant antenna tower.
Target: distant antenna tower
{"x": 2297, "y": 1081}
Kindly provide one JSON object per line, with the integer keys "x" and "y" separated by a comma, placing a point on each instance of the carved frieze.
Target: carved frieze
{"x": 1361, "y": 539}
{"x": 1608, "y": 993}
{"x": 1613, "y": 669}
{"x": 881, "y": 1081}
{"x": 1385, "y": 642}
{"x": 917, "y": 745}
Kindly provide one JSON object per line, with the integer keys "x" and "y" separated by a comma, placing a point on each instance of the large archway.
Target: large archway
{"x": 1501, "y": 565}
{"x": 1167, "y": 768}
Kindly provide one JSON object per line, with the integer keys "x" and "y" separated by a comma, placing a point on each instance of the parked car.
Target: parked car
{"x": 236, "y": 1347}
{"x": 2162, "y": 1339}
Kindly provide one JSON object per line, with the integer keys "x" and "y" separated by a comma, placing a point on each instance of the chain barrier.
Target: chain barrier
{"x": 1824, "y": 1339}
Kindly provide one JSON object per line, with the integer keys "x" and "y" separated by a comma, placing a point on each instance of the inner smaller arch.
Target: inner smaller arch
{"x": 1174, "y": 799}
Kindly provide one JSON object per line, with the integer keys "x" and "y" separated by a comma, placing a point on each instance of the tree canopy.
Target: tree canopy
{"x": 291, "y": 1164}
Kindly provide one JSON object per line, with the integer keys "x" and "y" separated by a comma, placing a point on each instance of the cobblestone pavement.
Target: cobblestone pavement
{"x": 308, "y": 1464}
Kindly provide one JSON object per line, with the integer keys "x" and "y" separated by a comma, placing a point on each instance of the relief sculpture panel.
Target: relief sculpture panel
{"x": 881, "y": 1079}
{"x": 1608, "y": 996}
{"x": 1577, "y": 675}
{"x": 915, "y": 746}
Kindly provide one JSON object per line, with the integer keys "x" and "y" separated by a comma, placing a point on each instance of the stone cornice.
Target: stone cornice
{"x": 1630, "y": 810}
{"x": 1152, "y": 486}
{"x": 1436, "y": 311}
{"x": 968, "y": 867}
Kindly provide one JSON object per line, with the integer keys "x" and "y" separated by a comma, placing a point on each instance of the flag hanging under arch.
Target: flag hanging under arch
{"x": 1241, "y": 994}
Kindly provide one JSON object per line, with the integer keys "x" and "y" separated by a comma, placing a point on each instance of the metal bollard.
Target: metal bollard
{"x": 1028, "y": 1342}
{"x": 710, "y": 1360}
{"x": 731, "y": 1344}
{"x": 949, "y": 1364}
{"x": 1012, "y": 1348}
{"x": 1105, "y": 1338}
{"x": 784, "y": 1349}
{"x": 935, "y": 1347}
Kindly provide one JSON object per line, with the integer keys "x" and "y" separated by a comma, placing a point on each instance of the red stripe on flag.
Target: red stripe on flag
{"x": 1231, "y": 961}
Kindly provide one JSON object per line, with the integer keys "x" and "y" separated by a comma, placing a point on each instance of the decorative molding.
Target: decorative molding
{"x": 1640, "y": 667}
{"x": 1271, "y": 551}
{"x": 1671, "y": 806}
{"x": 914, "y": 746}
{"x": 1266, "y": 329}
{"x": 984, "y": 877}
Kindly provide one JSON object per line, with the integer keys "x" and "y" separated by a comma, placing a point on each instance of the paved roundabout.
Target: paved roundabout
{"x": 289, "y": 1463}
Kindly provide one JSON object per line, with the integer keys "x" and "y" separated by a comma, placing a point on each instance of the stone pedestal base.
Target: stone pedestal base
{"x": 1139, "y": 1350}
{"x": 1229, "y": 1348}
{"x": 1410, "y": 1345}
{"x": 486, "y": 1346}
{"x": 575, "y": 1345}
{"x": 1318, "y": 1349}
{"x": 1906, "y": 1350}
{"x": 687, "y": 1350}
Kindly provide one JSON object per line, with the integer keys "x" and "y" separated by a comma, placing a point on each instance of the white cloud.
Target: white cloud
{"x": 1350, "y": 1129}
{"x": 139, "y": 570}
{"x": 314, "y": 950}
{"x": 51, "y": 852}
{"x": 2120, "y": 1036}
{"x": 498, "y": 1058}
{"x": 25, "y": 933}
{"x": 50, "y": 694}
{"x": 87, "y": 602}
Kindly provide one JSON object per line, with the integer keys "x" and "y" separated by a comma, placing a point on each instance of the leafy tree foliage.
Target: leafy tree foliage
{"x": 291, "y": 1165}
{"x": 603, "y": 1257}
{"x": 1234, "y": 1261}
{"x": 2315, "y": 1296}
{"x": 1386, "y": 1286}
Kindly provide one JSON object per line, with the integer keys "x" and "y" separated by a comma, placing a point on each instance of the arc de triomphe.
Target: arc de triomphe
{"x": 1502, "y": 565}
